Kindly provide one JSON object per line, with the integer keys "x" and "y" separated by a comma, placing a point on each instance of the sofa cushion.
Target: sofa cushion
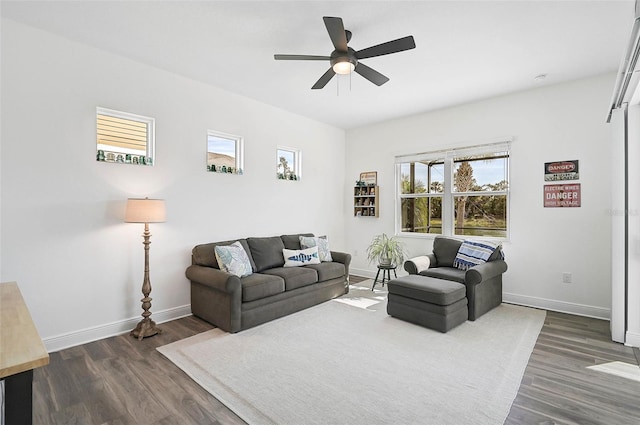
{"x": 322, "y": 242}
{"x": 260, "y": 285}
{"x": 293, "y": 241}
{"x": 300, "y": 257}
{"x": 498, "y": 254}
{"x": 233, "y": 259}
{"x": 294, "y": 277}
{"x": 204, "y": 255}
{"x": 445, "y": 249}
{"x": 447, "y": 273}
{"x": 328, "y": 270}
{"x": 266, "y": 252}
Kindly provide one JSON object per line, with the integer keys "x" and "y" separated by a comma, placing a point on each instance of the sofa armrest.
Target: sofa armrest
{"x": 341, "y": 257}
{"x": 214, "y": 278}
{"x": 477, "y": 274}
{"x": 416, "y": 264}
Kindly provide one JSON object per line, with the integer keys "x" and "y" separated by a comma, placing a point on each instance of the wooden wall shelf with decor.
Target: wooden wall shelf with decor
{"x": 365, "y": 201}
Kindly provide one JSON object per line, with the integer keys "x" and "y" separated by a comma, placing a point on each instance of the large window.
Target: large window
{"x": 462, "y": 192}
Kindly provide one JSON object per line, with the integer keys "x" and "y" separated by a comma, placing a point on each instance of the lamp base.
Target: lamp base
{"x": 146, "y": 327}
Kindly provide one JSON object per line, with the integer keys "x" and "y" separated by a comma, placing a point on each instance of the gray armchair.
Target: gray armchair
{"x": 483, "y": 282}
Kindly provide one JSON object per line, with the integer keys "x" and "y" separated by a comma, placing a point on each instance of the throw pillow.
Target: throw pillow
{"x": 233, "y": 259}
{"x": 472, "y": 253}
{"x": 300, "y": 257}
{"x": 321, "y": 242}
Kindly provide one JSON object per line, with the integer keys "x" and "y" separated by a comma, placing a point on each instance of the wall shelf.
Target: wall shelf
{"x": 365, "y": 201}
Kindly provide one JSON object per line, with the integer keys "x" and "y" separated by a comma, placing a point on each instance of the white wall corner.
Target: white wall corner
{"x": 71, "y": 339}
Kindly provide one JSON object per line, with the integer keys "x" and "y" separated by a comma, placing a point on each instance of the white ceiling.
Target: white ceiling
{"x": 466, "y": 50}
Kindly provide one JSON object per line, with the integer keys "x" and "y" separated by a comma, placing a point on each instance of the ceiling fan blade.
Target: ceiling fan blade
{"x": 399, "y": 45}
{"x": 300, "y": 58}
{"x": 336, "y": 32}
{"x": 371, "y": 74}
{"x": 324, "y": 79}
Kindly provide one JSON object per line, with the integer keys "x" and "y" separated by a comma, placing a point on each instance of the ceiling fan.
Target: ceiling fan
{"x": 344, "y": 59}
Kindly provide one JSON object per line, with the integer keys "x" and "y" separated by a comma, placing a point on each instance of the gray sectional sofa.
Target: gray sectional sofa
{"x": 235, "y": 303}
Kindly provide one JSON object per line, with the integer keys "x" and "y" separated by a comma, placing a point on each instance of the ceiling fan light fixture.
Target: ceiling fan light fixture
{"x": 344, "y": 60}
{"x": 343, "y": 67}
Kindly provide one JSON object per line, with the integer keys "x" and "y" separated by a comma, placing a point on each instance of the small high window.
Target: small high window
{"x": 288, "y": 163}
{"x": 124, "y": 138}
{"x": 224, "y": 153}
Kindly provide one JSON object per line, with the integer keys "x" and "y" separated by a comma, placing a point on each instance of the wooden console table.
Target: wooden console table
{"x": 21, "y": 351}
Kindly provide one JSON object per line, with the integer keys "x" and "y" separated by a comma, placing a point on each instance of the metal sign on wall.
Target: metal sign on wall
{"x": 562, "y": 195}
{"x": 561, "y": 170}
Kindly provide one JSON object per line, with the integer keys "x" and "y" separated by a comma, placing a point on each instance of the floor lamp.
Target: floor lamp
{"x": 145, "y": 211}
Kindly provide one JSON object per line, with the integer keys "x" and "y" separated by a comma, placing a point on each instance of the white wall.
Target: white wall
{"x": 63, "y": 239}
{"x": 561, "y": 122}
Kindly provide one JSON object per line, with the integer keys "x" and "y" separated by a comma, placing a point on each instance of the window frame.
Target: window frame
{"x": 448, "y": 157}
{"x": 150, "y": 126}
{"x": 238, "y": 149}
{"x": 297, "y": 161}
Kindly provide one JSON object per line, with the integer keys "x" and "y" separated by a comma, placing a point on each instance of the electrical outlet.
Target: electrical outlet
{"x": 355, "y": 252}
{"x": 566, "y": 277}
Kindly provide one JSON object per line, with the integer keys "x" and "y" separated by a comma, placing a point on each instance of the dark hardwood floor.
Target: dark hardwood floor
{"x": 121, "y": 380}
{"x": 557, "y": 387}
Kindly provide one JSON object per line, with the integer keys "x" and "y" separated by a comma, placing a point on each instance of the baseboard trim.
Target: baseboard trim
{"x": 362, "y": 273}
{"x": 559, "y": 306}
{"x": 371, "y": 274}
{"x": 83, "y": 336}
{"x": 632, "y": 339}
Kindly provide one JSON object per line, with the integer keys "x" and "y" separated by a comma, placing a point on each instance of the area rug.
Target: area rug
{"x": 347, "y": 362}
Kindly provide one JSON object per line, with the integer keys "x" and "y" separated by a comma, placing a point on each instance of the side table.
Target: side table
{"x": 386, "y": 274}
{"x": 21, "y": 351}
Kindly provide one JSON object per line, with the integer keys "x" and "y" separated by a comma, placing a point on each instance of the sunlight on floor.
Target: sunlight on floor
{"x": 367, "y": 299}
{"x": 363, "y": 303}
{"x": 624, "y": 370}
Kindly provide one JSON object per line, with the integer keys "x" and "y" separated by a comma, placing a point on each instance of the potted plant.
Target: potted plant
{"x": 386, "y": 250}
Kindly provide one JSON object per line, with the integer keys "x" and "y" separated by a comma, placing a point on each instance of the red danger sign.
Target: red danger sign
{"x": 561, "y": 170}
{"x": 562, "y": 195}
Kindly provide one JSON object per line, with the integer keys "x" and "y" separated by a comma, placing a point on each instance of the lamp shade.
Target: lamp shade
{"x": 145, "y": 211}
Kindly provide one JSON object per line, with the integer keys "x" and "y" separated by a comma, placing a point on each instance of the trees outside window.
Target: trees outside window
{"x": 463, "y": 192}
{"x": 288, "y": 163}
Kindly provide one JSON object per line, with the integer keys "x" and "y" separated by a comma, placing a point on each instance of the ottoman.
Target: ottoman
{"x": 427, "y": 301}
